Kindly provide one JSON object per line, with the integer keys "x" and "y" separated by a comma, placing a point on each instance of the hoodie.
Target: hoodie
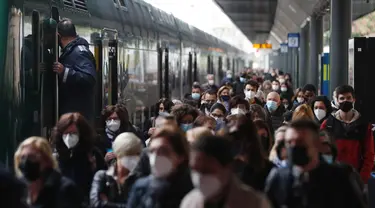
{"x": 354, "y": 140}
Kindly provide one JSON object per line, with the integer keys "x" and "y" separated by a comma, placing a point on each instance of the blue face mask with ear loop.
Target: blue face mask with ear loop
{"x": 186, "y": 127}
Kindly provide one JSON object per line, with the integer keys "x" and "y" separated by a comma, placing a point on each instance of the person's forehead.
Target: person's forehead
{"x": 210, "y": 96}
{"x": 348, "y": 94}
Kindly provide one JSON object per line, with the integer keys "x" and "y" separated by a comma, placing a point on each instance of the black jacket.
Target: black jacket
{"x": 77, "y": 82}
{"x": 105, "y": 183}
{"x": 150, "y": 192}
{"x": 11, "y": 190}
{"x": 328, "y": 186}
{"x": 58, "y": 192}
{"x": 276, "y": 117}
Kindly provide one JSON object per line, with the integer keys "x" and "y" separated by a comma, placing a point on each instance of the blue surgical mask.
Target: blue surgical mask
{"x": 328, "y": 158}
{"x": 195, "y": 96}
{"x": 242, "y": 79}
{"x": 186, "y": 127}
{"x": 271, "y": 105}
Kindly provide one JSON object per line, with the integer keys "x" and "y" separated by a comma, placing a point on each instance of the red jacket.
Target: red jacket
{"x": 353, "y": 151}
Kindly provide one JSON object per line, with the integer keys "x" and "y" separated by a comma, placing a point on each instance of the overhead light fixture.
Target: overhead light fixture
{"x": 292, "y": 8}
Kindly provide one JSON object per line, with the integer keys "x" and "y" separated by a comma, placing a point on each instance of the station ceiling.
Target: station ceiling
{"x": 262, "y": 20}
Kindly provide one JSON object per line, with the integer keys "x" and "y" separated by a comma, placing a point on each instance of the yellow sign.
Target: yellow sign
{"x": 262, "y": 46}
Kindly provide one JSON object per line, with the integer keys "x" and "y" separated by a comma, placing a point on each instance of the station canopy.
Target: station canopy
{"x": 271, "y": 20}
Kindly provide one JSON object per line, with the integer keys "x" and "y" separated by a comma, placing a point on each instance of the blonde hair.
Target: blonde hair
{"x": 303, "y": 112}
{"x": 127, "y": 144}
{"x": 221, "y": 90}
{"x": 39, "y": 144}
{"x": 273, "y": 153}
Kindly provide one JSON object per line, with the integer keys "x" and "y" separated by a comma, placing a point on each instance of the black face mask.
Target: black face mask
{"x": 346, "y": 106}
{"x": 209, "y": 105}
{"x": 265, "y": 143}
{"x": 30, "y": 169}
{"x": 297, "y": 155}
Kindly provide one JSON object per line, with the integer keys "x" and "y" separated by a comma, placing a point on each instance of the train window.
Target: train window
{"x": 122, "y": 3}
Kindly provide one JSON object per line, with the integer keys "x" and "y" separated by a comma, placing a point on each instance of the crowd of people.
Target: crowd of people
{"x": 249, "y": 141}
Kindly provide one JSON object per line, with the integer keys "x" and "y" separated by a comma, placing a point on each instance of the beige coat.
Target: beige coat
{"x": 240, "y": 196}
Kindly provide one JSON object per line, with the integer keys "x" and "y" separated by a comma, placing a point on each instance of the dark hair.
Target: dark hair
{"x": 217, "y": 147}
{"x": 305, "y": 124}
{"x": 211, "y": 92}
{"x": 66, "y": 28}
{"x": 258, "y": 109}
{"x": 219, "y": 106}
{"x": 168, "y": 104}
{"x": 247, "y": 135}
{"x": 309, "y": 87}
{"x": 182, "y": 110}
{"x": 343, "y": 89}
{"x": 175, "y": 138}
{"x": 86, "y": 133}
{"x": 201, "y": 120}
{"x": 196, "y": 87}
{"x": 276, "y": 81}
{"x": 121, "y": 112}
{"x": 252, "y": 83}
{"x": 260, "y": 124}
{"x": 237, "y": 100}
{"x": 326, "y": 102}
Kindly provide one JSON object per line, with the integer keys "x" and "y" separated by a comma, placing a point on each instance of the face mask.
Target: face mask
{"x": 275, "y": 87}
{"x": 249, "y": 94}
{"x": 129, "y": 162}
{"x": 271, "y": 105}
{"x": 328, "y": 158}
{"x": 265, "y": 143}
{"x": 113, "y": 125}
{"x": 196, "y": 96}
{"x": 320, "y": 114}
{"x": 225, "y": 97}
{"x": 70, "y": 140}
{"x": 219, "y": 123}
{"x": 298, "y": 155}
{"x": 300, "y": 99}
{"x": 186, "y": 127}
{"x": 160, "y": 166}
{"x": 281, "y": 80}
{"x": 209, "y": 105}
{"x": 229, "y": 76}
{"x": 284, "y": 89}
{"x": 237, "y": 111}
{"x": 208, "y": 185}
{"x": 346, "y": 106}
{"x": 242, "y": 79}
{"x": 286, "y": 106}
{"x": 30, "y": 169}
{"x": 211, "y": 82}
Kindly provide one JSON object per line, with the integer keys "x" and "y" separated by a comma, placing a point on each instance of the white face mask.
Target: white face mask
{"x": 275, "y": 87}
{"x": 208, "y": 185}
{"x": 70, "y": 140}
{"x": 113, "y": 125}
{"x": 320, "y": 114}
{"x": 236, "y": 111}
{"x": 249, "y": 94}
{"x": 300, "y": 99}
{"x": 160, "y": 166}
{"x": 129, "y": 162}
{"x": 284, "y": 89}
{"x": 211, "y": 82}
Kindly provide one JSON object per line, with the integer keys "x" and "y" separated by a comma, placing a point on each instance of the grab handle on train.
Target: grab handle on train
{"x": 36, "y": 51}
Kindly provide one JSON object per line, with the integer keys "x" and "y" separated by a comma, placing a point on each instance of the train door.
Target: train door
{"x": 166, "y": 80}
{"x": 190, "y": 70}
{"x": 195, "y": 70}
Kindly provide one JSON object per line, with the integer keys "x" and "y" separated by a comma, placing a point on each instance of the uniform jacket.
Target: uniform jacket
{"x": 77, "y": 82}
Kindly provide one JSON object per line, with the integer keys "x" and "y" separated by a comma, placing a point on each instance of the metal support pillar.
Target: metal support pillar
{"x": 316, "y": 48}
{"x": 341, "y": 26}
{"x": 303, "y": 55}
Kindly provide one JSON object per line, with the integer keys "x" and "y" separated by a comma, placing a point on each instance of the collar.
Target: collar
{"x": 356, "y": 116}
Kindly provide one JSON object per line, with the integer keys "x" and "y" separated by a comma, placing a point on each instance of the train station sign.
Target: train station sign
{"x": 293, "y": 40}
{"x": 262, "y": 46}
{"x": 284, "y": 48}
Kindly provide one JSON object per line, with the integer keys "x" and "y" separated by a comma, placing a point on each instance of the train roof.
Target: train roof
{"x": 135, "y": 18}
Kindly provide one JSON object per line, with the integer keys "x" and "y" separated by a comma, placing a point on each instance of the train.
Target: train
{"x": 142, "y": 54}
